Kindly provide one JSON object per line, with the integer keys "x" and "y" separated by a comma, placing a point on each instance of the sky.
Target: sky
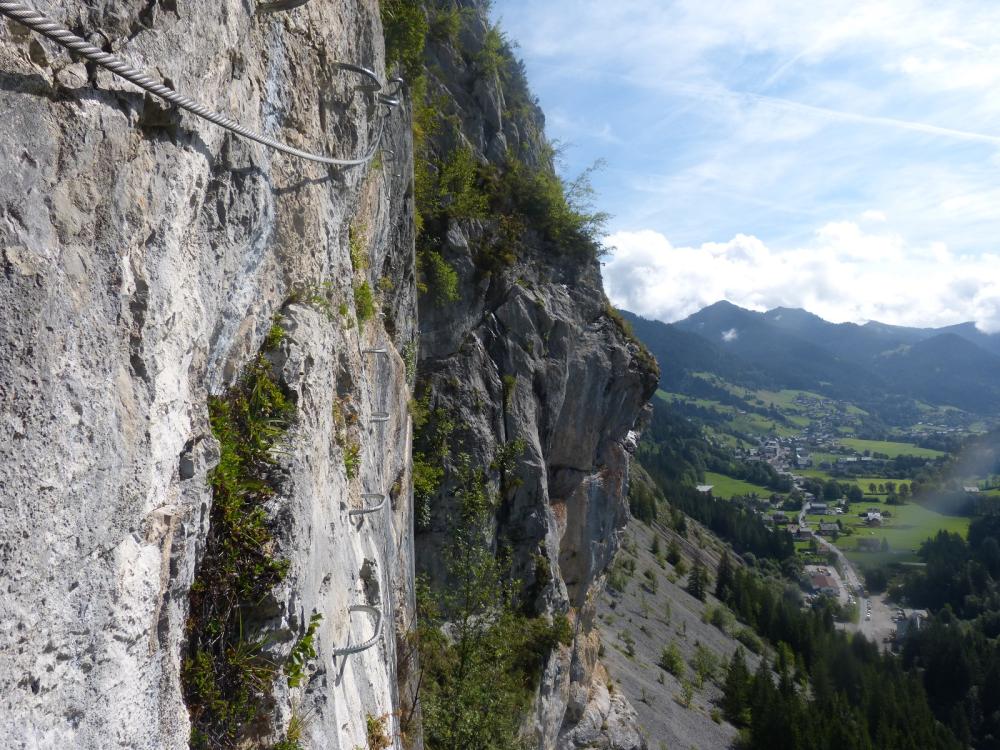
{"x": 841, "y": 156}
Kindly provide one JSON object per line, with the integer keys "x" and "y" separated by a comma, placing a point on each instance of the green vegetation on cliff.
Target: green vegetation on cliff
{"x": 481, "y": 655}
{"x": 516, "y": 202}
{"x": 226, "y": 677}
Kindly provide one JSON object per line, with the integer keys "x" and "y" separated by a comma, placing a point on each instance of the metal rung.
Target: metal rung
{"x": 369, "y": 508}
{"x": 374, "y": 612}
{"x": 361, "y": 70}
{"x": 380, "y": 350}
{"x": 399, "y": 82}
{"x": 380, "y": 416}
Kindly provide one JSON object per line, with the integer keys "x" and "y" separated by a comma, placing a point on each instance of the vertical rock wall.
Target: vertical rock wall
{"x": 143, "y": 255}
{"x": 529, "y": 352}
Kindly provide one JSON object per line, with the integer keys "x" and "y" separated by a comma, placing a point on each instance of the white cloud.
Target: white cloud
{"x": 731, "y": 335}
{"x": 842, "y": 274}
{"x": 758, "y": 125}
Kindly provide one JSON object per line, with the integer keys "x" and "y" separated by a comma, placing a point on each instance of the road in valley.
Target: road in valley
{"x": 880, "y": 626}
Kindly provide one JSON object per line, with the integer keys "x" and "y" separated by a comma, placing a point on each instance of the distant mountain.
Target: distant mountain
{"x": 681, "y": 353}
{"x": 791, "y": 359}
{"x": 868, "y": 364}
{"x": 944, "y": 369}
{"x": 969, "y": 332}
{"x": 850, "y": 341}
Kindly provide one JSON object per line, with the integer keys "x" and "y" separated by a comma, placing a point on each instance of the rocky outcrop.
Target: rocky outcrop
{"x": 143, "y": 257}
{"x": 529, "y": 354}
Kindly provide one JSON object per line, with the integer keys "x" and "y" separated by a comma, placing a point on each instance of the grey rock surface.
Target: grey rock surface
{"x": 143, "y": 254}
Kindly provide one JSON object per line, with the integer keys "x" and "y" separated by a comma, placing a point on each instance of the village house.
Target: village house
{"x": 872, "y": 517}
{"x": 824, "y": 584}
{"x": 911, "y": 622}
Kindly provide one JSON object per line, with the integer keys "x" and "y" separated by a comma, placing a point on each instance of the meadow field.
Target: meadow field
{"x": 727, "y": 487}
{"x": 891, "y": 449}
{"x": 909, "y": 525}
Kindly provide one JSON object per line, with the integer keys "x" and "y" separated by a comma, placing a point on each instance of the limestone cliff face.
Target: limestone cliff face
{"x": 143, "y": 256}
{"x": 528, "y": 352}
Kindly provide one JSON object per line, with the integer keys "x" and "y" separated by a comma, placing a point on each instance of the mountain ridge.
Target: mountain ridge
{"x": 954, "y": 366}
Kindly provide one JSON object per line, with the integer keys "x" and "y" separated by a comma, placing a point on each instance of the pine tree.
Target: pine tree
{"x": 697, "y": 584}
{"x": 736, "y": 690}
{"x": 673, "y": 552}
{"x": 724, "y": 578}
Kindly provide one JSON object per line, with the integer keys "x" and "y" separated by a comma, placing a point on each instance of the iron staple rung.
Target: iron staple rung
{"x": 364, "y": 646}
{"x": 370, "y": 508}
{"x": 62, "y": 36}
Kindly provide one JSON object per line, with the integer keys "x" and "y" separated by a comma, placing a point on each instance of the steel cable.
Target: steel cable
{"x": 63, "y": 36}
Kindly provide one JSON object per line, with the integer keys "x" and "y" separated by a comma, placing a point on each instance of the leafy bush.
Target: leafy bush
{"x": 405, "y": 26}
{"x": 376, "y": 734}
{"x": 480, "y": 678}
{"x": 674, "y": 553}
{"x": 427, "y": 478}
{"x": 719, "y": 616}
{"x": 651, "y": 581}
{"x": 626, "y": 638}
{"x": 364, "y": 302}
{"x": 562, "y": 214}
{"x": 493, "y": 54}
{"x": 671, "y": 660}
{"x": 459, "y": 194}
{"x": 445, "y": 24}
{"x": 706, "y": 664}
{"x": 750, "y": 639}
{"x": 439, "y": 279}
{"x": 302, "y": 652}
{"x": 643, "y": 354}
{"x": 315, "y": 295}
{"x": 356, "y": 245}
{"x": 352, "y": 459}
{"x": 508, "y": 384}
{"x": 617, "y": 579}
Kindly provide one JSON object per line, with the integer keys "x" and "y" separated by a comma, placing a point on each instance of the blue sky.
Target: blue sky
{"x": 840, "y": 156}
